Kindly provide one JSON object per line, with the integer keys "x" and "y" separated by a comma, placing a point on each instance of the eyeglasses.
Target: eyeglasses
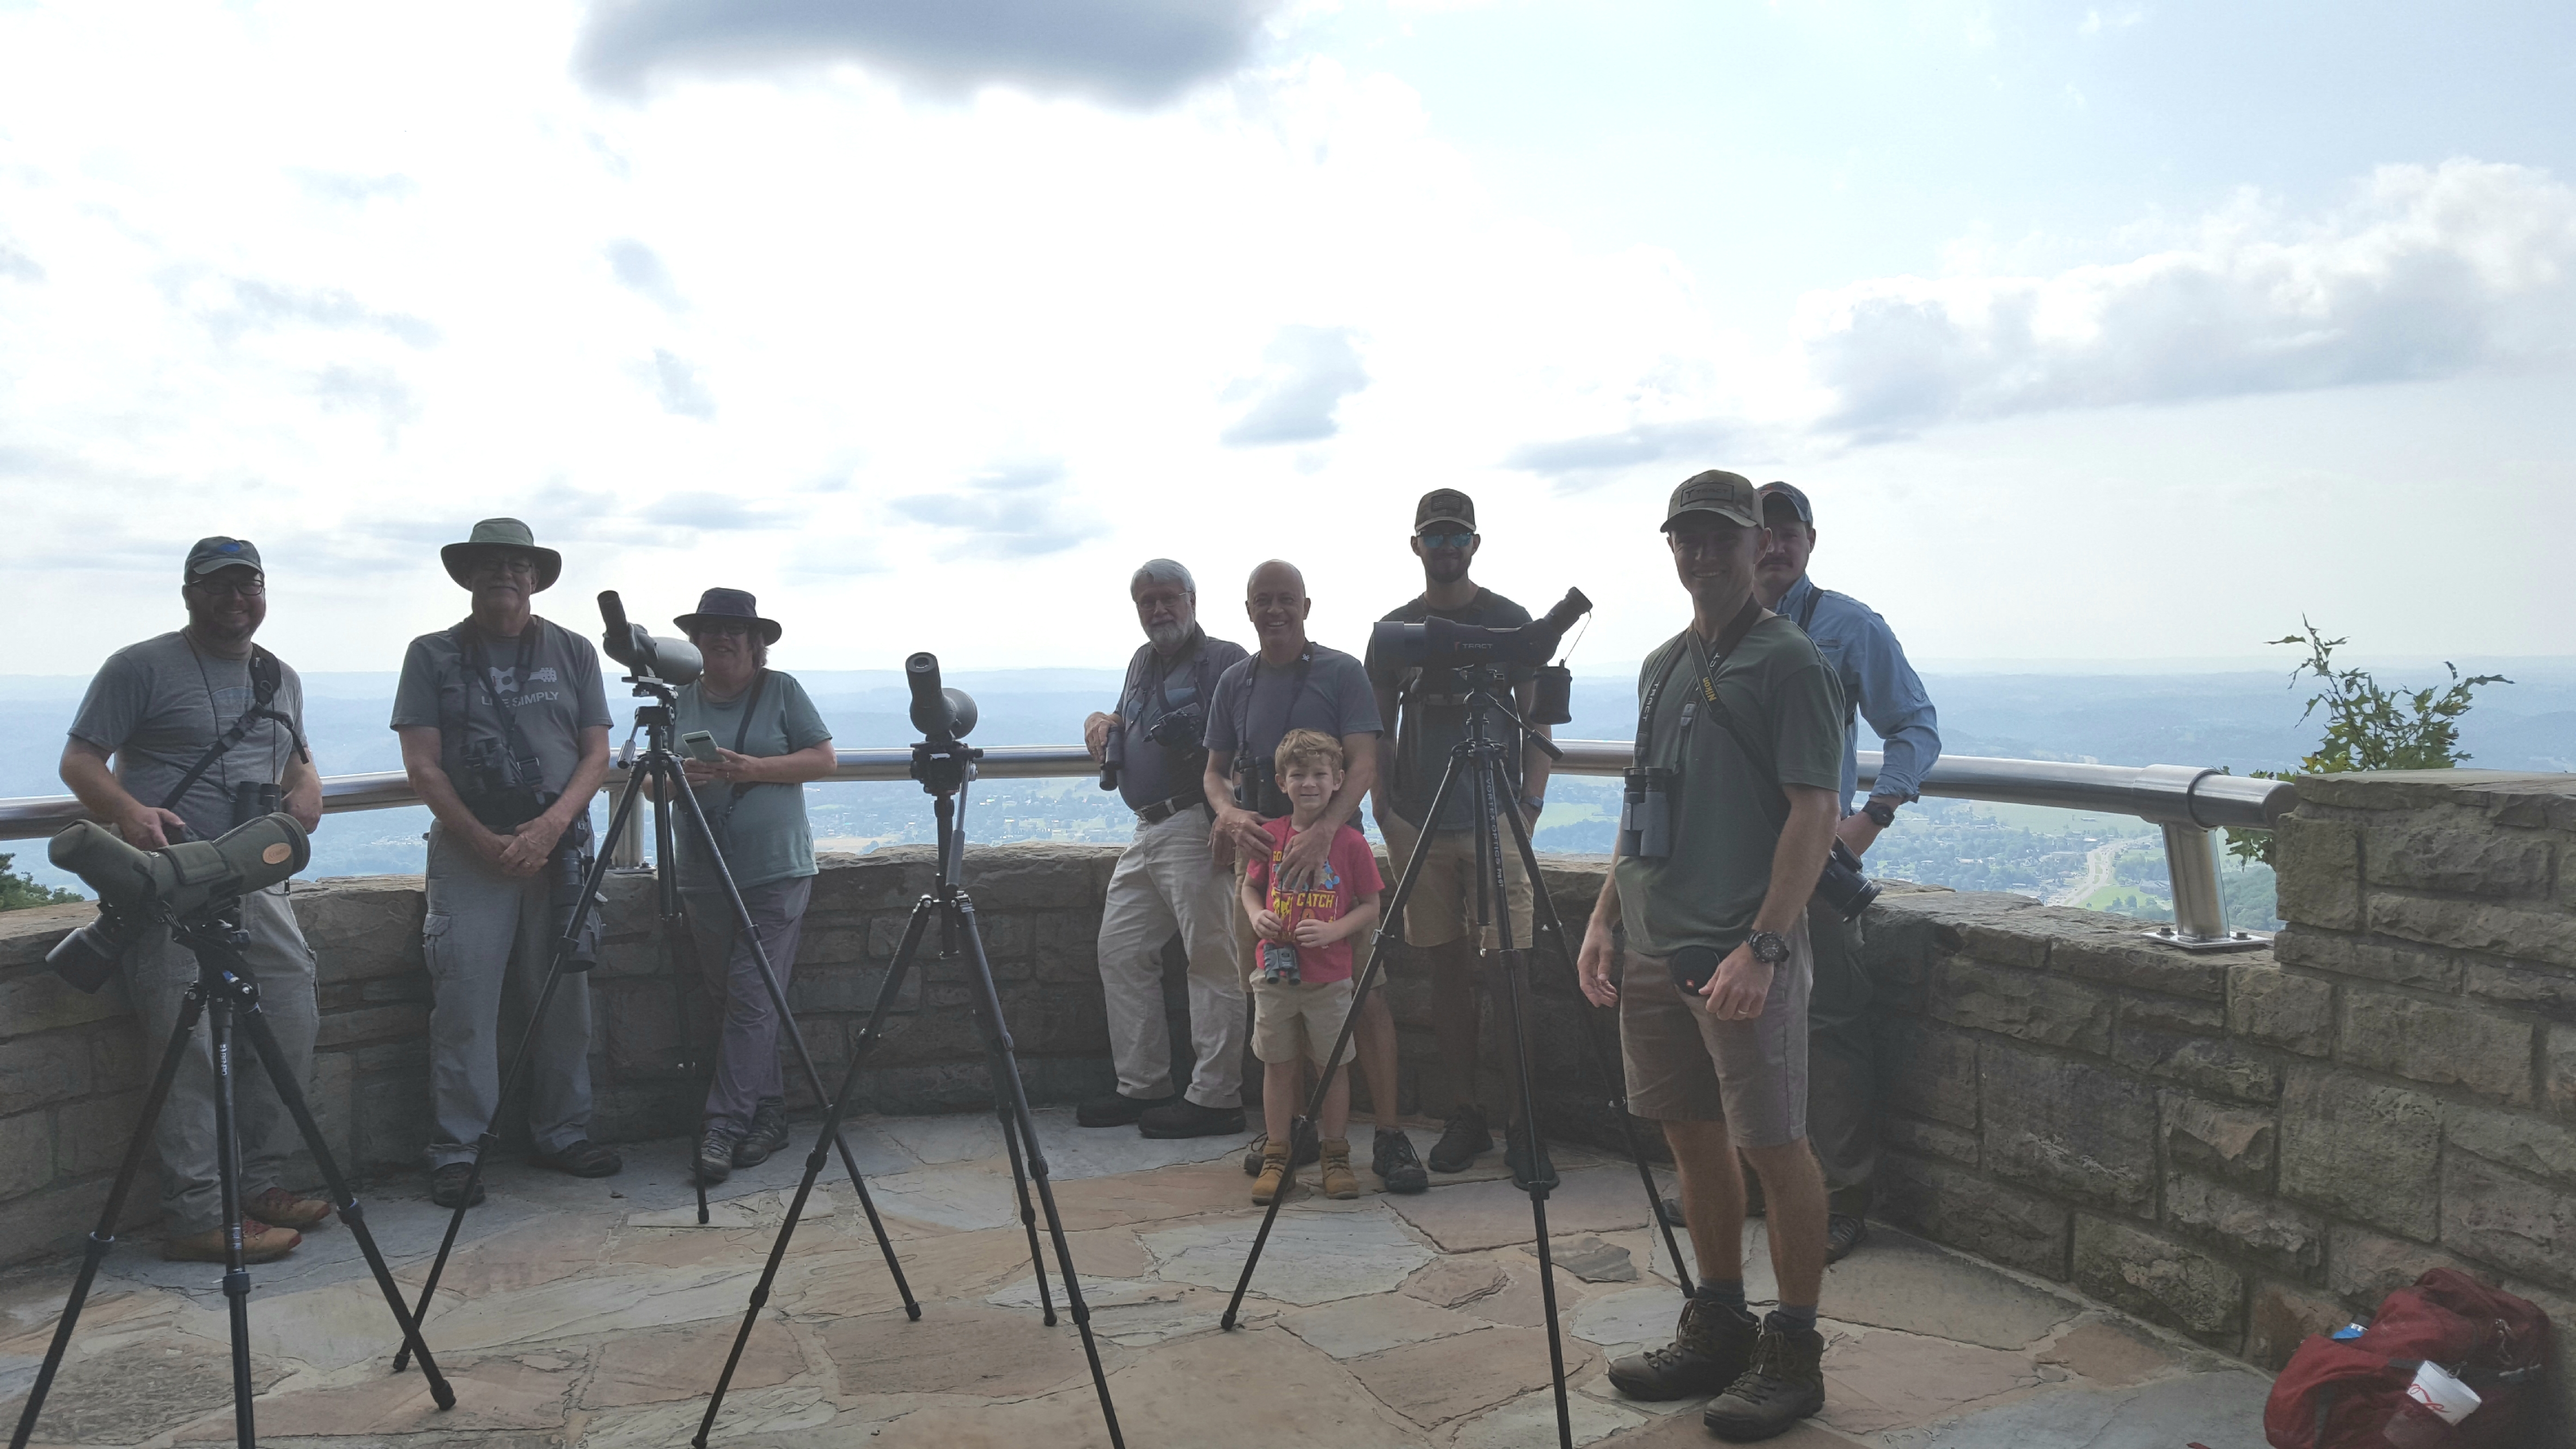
{"x": 238, "y": 588}
{"x": 1446, "y": 540}
{"x": 506, "y": 563}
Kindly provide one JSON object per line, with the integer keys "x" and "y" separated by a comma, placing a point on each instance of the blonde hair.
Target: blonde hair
{"x": 1299, "y": 747}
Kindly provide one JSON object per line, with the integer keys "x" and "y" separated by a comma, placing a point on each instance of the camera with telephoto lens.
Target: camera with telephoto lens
{"x": 138, "y": 889}
{"x": 1180, "y": 730}
{"x": 1843, "y": 886}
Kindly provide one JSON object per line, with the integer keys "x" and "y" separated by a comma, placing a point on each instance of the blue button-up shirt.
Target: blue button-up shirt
{"x": 1882, "y": 688}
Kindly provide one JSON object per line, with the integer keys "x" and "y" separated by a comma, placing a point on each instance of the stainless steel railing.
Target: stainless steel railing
{"x": 2188, "y": 802}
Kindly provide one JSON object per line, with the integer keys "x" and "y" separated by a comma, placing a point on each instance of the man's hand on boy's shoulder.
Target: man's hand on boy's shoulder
{"x": 1304, "y": 859}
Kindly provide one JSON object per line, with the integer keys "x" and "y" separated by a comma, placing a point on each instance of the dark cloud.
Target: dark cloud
{"x": 718, "y": 512}
{"x": 268, "y": 306}
{"x": 17, "y": 266}
{"x": 679, "y": 389}
{"x": 1577, "y": 462}
{"x": 354, "y": 190}
{"x": 1012, "y": 510}
{"x": 1134, "y": 52}
{"x": 638, "y": 268}
{"x": 1306, "y": 372}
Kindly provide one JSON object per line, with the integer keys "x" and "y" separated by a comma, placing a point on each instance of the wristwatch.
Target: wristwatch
{"x": 1533, "y": 803}
{"x": 1881, "y": 810}
{"x": 1769, "y": 947}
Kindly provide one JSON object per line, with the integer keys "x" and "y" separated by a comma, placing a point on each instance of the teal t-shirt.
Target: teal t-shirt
{"x": 766, "y": 837}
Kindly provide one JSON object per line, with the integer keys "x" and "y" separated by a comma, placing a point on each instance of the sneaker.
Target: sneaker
{"x": 260, "y": 1244}
{"x": 1116, "y": 1109}
{"x": 1181, "y": 1117}
{"x": 1339, "y": 1180}
{"x": 1844, "y": 1232}
{"x": 1517, "y": 1155}
{"x": 282, "y": 1209}
{"x": 447, "y": 1185}
{"x": 1463, "y": 1141}
{"x": 1671, "y": 1208}
{"x": 715, "y": 1154}
{"x": 768, "y": 1133}
{"x": 582, "y": 1159}
{"x": 1393, "y": 1161}
{"x": 1711, "y": 1347}
{"x": 1276, "y": 1174}
{"x": 1785, "y": 1383}
{"x": 1252, "y": 1154}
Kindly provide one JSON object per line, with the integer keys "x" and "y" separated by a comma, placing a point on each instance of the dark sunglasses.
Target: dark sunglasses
{"x": 247, "y": 589}
{"x": 1446, "y": 540}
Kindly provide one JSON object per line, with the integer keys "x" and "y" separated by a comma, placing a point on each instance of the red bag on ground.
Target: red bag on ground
{"x": 2361, "y": 1393}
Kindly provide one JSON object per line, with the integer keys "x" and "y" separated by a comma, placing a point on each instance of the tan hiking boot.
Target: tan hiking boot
{"x": 1275, "y": 1176}
{"x": 1339, "y": 1180}
{"x": 282, "y": 1209}
{"x": 260, "y": 1244}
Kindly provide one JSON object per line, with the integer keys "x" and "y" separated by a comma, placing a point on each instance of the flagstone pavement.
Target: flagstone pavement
{"x": 599, "y": 1313}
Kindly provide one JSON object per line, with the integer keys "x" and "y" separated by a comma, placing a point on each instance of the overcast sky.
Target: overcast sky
{"x": 2096, "y": 331}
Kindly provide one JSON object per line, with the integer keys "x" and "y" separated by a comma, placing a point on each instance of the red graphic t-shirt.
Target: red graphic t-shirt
{"x": 1350, "y": 871}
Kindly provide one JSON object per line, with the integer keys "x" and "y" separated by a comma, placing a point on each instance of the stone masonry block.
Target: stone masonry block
{"x": 2211, "y": 1064}
{"x": 2516, "y": 1139}
{"x": 1930, "y": 1070}
{"x": 26, "y": 935}
{"x": 2457, "y": 855}
{"x": 2022, "y": 1004}
{"x": 2069, "y": 1127}
{"x": 2438, "y": 1043}
{"x": 2317, "y": 872}
{"x": 2276, "y": 1008}
{"x": 2397, "y": 963}
{"x": 372, "y": 1023}
{"x": 2558, "y": 1069}
{"x": 91, "y": 1135}
{"x": 2549, "y": 993}
{"x": 2005, "y": 946}
{"x": 361, "y": 927}
{"x": 2496, "y": 1217}
{"x": 1931, "y": 1139}
{"x": 2168, "y": 1013}
{"x": 2285, "y": 1316}
{"x": 2124, "y": 960}
{"x": 53, "y": 1067}
{"x": 2362, "y": 1267}
{"x": 26, "y": 1152}
{"x": 2546, "y": 938}
{"x": 2236, "y": 1144}
{"x": 2270, "y": 1232}
{"x": 2159, "y": 1279}
{"x": 2361, "y": 1150}
{"x": 1976, "y": 1214}
{"x": 38, "y": 1001}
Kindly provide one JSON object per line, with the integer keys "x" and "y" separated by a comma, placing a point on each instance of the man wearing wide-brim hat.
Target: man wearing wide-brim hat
{"x": 504, "y": 727}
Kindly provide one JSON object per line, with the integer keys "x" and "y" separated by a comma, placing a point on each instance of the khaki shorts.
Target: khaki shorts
{"x": 1311, "y": 1012}
{"x": 1443, "y": 905}
{"x": 1684, "y": 1065}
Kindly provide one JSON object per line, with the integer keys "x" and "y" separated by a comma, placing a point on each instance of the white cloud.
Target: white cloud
{"x": 1306, "y": 372}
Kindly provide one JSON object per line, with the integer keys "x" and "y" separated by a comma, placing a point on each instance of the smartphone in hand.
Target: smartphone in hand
{"x": 701, "y": 747}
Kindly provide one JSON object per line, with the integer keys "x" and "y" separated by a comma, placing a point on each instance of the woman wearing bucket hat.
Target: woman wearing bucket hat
{"x": 768, "y": 741}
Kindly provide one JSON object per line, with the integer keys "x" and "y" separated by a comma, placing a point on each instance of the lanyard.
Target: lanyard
{"x": 1727, "y": 640}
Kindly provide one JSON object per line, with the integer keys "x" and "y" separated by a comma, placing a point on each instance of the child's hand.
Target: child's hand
{"x": 1265, "y": 924}
{"x": 1311, "y": 932}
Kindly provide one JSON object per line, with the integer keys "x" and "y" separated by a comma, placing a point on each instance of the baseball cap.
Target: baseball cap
{"x": 1445, "y": 505}
{"x": 1797, "y": 499}
{"x": 1728, "y": 495}
{"x": 220, "y": 552}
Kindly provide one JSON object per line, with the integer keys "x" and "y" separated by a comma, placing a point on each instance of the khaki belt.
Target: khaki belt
{"x": 1162, "y": 810}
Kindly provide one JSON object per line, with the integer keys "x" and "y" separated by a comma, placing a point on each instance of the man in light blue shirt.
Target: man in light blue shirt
{"x": 1880, "y": 687}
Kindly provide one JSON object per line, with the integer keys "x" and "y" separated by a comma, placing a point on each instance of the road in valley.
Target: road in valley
{"x": 2098, "y": 867}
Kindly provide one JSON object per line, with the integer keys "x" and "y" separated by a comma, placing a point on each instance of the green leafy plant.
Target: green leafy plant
{"x": 2369, "y": 726}
{"x": 18, "y": 891}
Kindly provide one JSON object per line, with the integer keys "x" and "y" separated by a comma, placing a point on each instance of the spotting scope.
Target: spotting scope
{"x": 139, "y": 887}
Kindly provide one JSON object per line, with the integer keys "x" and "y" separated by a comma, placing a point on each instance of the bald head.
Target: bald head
{"x": 1274, "y": 577}
{"x": 1275, "y": 599}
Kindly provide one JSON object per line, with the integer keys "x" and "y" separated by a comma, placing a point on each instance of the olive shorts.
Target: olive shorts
{"x": 1282, "y": 1013}
{"x": 1684, "y": 1065}
{"x": 1443, "y": 906}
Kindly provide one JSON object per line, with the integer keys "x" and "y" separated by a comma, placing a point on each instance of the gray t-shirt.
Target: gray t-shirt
{"x": 548, "y": 675}
{"x": 1432, "y": 716}
{"x": 1257, "y": 705}
{"x": 765, "y": 837}
{"x": 1147, "y": 772}
{"x": 159, "y": 705}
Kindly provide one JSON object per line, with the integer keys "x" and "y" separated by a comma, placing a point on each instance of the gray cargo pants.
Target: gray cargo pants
{"x": 158, "y": 972}
{"x": 487, "y": 938}
{"x": 747, "y": 1055}
{"x": 1842, "y": 1062}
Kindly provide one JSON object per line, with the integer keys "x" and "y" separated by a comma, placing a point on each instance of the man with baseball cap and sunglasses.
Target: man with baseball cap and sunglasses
{"x": 206, "y": 732}
{"x": 1729, "y": 819}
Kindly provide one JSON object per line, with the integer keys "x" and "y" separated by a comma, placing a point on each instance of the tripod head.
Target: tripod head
{"x": 943, "y": 762}
{"x": 1490, "y": 688}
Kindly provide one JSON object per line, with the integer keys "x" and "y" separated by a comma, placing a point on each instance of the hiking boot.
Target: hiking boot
{"x": 1463, "y": 1141}
{"x": 1785, "y": 1383}
{"x": 260, "y": 1244}
{"x": 1517, "y": 1155}
{"x": 1339, "y": 1180}
{"x": 1275, "y": 1174}
{"x": 447, "y": 1185}
{"x": 1252, "y": 1154}
{"x": 715, "y": 1154}
{"x": 768, "y": 1133}
{"x": 1116, "y": 1109}
{"x": 282, "y": 1209}
{"x": 1392, "y": 1159}
{"x": 1711, "y": 1347}
{"x": 584, "y": 1158}
{"x": 1844, "y": 1232}
{"x": 1181, "y": 1117}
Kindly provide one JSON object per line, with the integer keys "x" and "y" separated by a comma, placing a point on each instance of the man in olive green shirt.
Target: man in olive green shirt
{"x": 1743, "y": 722}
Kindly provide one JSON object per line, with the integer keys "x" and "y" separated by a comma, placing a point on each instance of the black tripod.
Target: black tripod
{"x": 945, "y": 767}
{"x": 663, "y": 770}
{"x": 1479, "y": 760}
{"x": 226, "y": 996}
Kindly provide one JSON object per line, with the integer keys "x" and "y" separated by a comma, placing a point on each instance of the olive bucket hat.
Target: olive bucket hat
{"x": 729, "y": 604}
{"x": 494, "y": 534}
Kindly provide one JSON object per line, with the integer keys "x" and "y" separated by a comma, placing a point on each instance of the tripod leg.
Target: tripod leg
{"x": 667, "y": 903}
{"x": 103, "y": 1237}
{"x": 228, "y": 1175}
{"x": 697, "y": 816}
{"x": 1389, "y": 914}
{"x": 860, "y": 1050}
{"x": 519, "y": 1060}
{"x": 281, "y": 1076}
{"x": 1007, "y": 1076}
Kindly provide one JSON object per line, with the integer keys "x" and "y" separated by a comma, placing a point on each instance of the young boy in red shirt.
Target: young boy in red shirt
{"x": 1301, "y": 985}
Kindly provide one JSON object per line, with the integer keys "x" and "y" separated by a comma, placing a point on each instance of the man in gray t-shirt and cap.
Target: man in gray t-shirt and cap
{"x": 182, "y": 737}
{"x": 504, "y": 730}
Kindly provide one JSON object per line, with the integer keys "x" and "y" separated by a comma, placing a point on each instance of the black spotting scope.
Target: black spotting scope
{"x": 137, "y": 887}
{"x": 944, "y": 716}
{"x": 1448, "y": 644}
{"x": 654, "y": 656}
